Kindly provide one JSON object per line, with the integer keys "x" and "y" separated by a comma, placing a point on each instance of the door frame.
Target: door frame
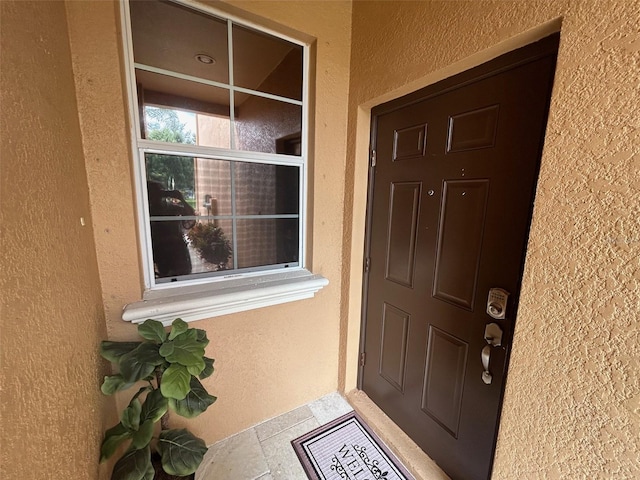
{"x": 349, "y": 372}
{"x": 505, "y": 62}
{"x": 511, "y": 60}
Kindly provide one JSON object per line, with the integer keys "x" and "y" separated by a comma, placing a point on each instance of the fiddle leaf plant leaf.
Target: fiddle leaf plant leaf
{"x": 185, "y": 350}
{"x": 201, "y": 335}
{"x": 152, "y": 330}
{"x": 149, "y": 353}
{"x": 181, "y": 451}
{"x": 208, "y": 368}
{"x": 130, "y": 418}
{"x": 196, "y": 369}
{"x": 134, "y": 465}
{"x": 140, "y": 392}
{"x": 196, "y": 401}
{"x": 113, "y": 384}
{"x": 112, "y": 440}
{"x": 112, "y": 351}
{"x": 175, "y": 382}
{"x": 177, "y": 327}
{"x": 143, "y": 436}
{"x": 138, "y": 363}
{"x": 154, "y": 406}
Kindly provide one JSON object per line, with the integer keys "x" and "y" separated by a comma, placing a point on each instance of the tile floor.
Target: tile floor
{"x": 264, "y": 452}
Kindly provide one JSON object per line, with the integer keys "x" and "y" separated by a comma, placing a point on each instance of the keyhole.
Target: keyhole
{"x": 431, "y": 192}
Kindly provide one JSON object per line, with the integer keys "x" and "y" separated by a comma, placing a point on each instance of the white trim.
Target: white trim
{"x": 230, "y": 296}
{"x": 270, "y": 96}
{"x": 213, "y": 83}
{"x": 216, "y": 153}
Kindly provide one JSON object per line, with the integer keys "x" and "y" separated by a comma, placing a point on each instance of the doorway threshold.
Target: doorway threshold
{"x": 418, "y": 462}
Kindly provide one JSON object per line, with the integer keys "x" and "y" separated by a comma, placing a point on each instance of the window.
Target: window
{"x": 220, "y": 138}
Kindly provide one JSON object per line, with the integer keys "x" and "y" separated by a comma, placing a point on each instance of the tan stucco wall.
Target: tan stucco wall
{"x": 572, "y": 404}
{"x": 270, "y": 360}
{"x": 51, "y": 307}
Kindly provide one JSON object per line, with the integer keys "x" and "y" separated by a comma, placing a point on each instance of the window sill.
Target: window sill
{"x": 233, "y": 295}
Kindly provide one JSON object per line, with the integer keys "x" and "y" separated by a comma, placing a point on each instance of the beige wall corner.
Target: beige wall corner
{"x": 571, "y": 402}
{"x": 53, "y": 412}
{"x": 94, "y": 36}
{"x": 271, "y": 360}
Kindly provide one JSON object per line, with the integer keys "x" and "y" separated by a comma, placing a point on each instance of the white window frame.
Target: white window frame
{"x": 207, "y": 297}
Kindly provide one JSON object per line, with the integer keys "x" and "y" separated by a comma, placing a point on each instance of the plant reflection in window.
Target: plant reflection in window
{"x": 211, "y": 243}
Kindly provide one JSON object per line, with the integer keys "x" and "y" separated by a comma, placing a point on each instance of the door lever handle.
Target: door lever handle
{"x": 486, "y": 356}
{"x": 493, "y": 337}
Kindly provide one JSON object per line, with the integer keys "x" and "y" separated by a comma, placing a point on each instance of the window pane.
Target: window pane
{"x": 211, "y": 246}
{"x": 170, "y": 179}
{"x": 213, "y": 187}
{"x": 266, "y": 189}
{"x": 266, "y": 63}
{"x": 267, "y": 241}
{"x": 171, "y": 37}
{"x": 265, "y": 125}
{"x": 170, "y": 253}
{"x": 175, "y": 107}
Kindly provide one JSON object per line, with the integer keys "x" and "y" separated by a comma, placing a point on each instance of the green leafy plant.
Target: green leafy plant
{"x": 172, "y": 365}
{"x": 211, "y": 243}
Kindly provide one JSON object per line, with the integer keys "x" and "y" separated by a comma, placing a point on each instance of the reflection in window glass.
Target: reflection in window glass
{"x": 170, "y": 251}
{"x": 263, "y": 189}
{"x": 267, "y": 242}
{"x": 266, "y": 63}
{"x": 165, "y": 125}
{"x": 208, "y": 215}
{"x": 171, "y": 172}
{"x": 170, "y": 36}
{"x": 211, "y": 246}
{"x": 180, "y": 106}
{"x": 213, "y": 187}
{"x": 213, "y": 131}
{"x": 261, "y": 123}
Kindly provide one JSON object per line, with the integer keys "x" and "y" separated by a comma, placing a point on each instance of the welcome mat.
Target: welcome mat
{"x": 346, "y": 449}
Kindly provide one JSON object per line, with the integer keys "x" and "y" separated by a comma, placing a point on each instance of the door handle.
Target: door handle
{"x": 493, "y": 337}
{"x": 486, "y": 356}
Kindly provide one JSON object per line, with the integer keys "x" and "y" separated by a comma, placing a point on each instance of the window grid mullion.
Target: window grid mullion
{"x": 234, "y": 221}
{"x": 232, "y": 169}
{"x": 232, "y": 106}
{"x": 173, "y": 218}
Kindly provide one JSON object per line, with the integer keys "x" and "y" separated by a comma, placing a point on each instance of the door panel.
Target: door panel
{"x": 393, "y": 345}
{"x": 462, "y": 214}
{"x": 444, "y": 379}
{"x": 449, "y": 214}
{"x": 403, "y": 224}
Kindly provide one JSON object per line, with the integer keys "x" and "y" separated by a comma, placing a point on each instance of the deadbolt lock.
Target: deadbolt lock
{"x": 497, "y": 303}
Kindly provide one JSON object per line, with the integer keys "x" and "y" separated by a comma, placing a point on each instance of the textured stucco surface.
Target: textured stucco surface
{"x": 51, "y": 308}
{"x": 572, "y": 402}
{"x": 270, "y": 360}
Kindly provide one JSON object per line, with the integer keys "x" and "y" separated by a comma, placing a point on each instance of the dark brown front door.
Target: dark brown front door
{"x": 450, "y": 206}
